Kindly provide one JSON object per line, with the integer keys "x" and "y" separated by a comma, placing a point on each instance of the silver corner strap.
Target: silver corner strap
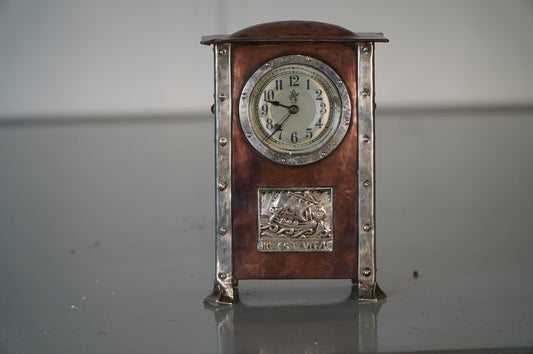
{"x": 223, "y": 291}
{"x": 368, "y": 289}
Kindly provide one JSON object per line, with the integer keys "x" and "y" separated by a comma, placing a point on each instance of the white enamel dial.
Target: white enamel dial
{"x": 294, "y": 110}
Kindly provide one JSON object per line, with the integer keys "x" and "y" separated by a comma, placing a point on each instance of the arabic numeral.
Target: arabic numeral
{"x": 318, "y": 94}
{"x": 294, "y": 80}
{"x": 268, "y": 95}
{"x": 264, "y": 109}
{"x": 279, "y": 85}
{"x": 279, "y": 136}
{"x": 323, "y": 108}
{"x": 319, "y": 123}
{"x": 309, "y": 133}
{"x": 294, "y": 137}
{"x": 269, "y": 124}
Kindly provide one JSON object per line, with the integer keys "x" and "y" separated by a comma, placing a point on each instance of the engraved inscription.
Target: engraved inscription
{"x": 295, "y": 219}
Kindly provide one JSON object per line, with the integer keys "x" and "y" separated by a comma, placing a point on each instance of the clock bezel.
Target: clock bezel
{"x": 290, "y": 158}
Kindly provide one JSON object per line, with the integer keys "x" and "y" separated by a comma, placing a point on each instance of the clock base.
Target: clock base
{"x": 226, "y": 293}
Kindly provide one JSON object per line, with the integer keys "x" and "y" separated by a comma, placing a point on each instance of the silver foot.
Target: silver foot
{"x": 223, "y": 292}
{"x": 370, "y": 292}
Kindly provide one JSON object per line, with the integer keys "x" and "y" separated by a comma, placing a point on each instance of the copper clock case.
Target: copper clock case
{"x": 245, "y": 179}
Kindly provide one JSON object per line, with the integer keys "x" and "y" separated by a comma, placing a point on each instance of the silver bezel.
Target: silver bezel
{"x": 293, "y": 159}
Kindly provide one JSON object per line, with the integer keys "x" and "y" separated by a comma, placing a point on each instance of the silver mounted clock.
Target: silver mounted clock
{"x": 294, "y": 133}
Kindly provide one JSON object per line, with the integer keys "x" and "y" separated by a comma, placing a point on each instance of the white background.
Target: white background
{"x": 75, "y": 57}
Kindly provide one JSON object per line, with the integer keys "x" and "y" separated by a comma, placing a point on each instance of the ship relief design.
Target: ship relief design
{"x": 295, "y": 219}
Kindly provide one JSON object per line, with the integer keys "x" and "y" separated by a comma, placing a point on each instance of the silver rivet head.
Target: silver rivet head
{"x": 222, "y": 97}
{"x": 367, "y": 183}
{"x": 222, "y": 141}
{"x": 366, "y": 49}
{"x": 323, "y": 153}
{"x": 222, "y": 186}
{"x": 283, "y": 160}
{"x": 367, "y": 227}
{"x": 222, "y": 52}
{"x": 364, "y": 93}
{"x": 244, "y": 95}
{"x": 366, "y": 138}
{"x": 367, "y": 272}
{"x": 249, "y": 135}
{"x": 222, "y": 275}
{"x": 222, "y": 231}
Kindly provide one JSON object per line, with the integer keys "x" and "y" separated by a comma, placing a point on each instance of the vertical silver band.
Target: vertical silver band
{"x": 223, "y": 290}
{"x": 368, "y": 289}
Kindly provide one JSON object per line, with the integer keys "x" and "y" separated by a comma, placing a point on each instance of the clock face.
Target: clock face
{"x": 294, "y": 110}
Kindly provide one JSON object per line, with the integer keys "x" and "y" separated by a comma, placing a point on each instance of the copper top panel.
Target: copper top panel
{"x": 294, "y": 31}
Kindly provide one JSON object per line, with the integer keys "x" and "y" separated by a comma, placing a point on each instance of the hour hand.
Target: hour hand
{"x": 276, "y": 103}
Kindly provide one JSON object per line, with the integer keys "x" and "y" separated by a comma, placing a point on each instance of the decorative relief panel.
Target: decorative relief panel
{"x": 295, "y": 219}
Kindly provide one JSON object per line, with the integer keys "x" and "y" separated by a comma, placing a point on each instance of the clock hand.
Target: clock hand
{"x": 276, "y": 103}
{"x": 278, "y": 126}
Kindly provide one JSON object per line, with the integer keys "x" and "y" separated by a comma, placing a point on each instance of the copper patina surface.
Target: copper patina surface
{"x": 252, "y": 171}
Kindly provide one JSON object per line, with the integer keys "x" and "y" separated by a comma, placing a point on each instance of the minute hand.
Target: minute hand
{"x": 278, "y": 126}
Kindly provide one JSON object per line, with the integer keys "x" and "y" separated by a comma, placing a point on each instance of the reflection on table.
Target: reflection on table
{"x": 346, "y": 326}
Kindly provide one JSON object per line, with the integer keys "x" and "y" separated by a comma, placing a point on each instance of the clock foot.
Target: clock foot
{"x": 368, "y": 292}
{"x": 224, "y": 293}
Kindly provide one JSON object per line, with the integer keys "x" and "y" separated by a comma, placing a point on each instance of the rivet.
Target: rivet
{"x": 308, "y": 59}
{"x": 222, "y": 275}
{"x": 268, "y": 65}
{"x": 222, "y": 97}
{"x": 367, "y": 183}
{"x": 222, "y": 186}
{"x": 367, "y": 227}
{"x": 367, "y": 272}
{"x": 283, "y": 160}
{"x": 323, "y": 153}
{"x": 222, "y": 52}
{"x": 248, "y": 134}
{"x": 366, "y": 49}
{"x": 244, "y": 95}
{"x": 366, "y": 138}
{"x": 364, "y": 93}
{"x": 222, "y": 141}
{"x": 223, "y": 231}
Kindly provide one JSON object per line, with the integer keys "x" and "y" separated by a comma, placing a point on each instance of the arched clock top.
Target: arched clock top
{"x": 294, "y": 31}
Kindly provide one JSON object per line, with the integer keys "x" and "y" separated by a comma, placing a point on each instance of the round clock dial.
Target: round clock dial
{"x": 294, "y": 110}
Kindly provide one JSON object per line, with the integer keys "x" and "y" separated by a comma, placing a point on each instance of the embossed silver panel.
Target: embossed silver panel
{"x": 295, "y": 219}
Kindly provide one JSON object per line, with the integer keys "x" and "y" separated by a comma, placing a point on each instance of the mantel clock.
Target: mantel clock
{"x": 294, "y": 137}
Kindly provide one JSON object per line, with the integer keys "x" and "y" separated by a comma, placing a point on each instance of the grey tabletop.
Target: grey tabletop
{"x": 107, "y": 242}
